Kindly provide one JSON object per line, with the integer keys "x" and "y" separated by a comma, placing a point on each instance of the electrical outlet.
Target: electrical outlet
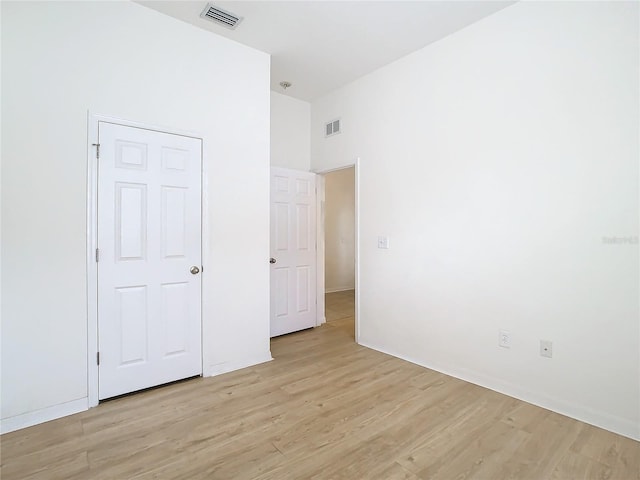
{"x": 383, "y": 242}
{"x": 504, "y": 339}
{"x": 546, "y": 348}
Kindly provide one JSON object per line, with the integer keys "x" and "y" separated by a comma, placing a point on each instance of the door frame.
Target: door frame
{"x": 93, "y": 120}
{"x": 320, "y": 242}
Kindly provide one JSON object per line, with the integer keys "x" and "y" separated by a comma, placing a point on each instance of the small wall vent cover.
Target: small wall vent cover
{"x": 332, "y": 128}
{"x": 221, "y": 17}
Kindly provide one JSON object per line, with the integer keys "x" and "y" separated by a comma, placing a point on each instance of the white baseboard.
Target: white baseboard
{"x": 226, "y": 367}
{"x": 29, "y": 419}
{"x": 612, "y": 423}
{"x": 338, "y": 289}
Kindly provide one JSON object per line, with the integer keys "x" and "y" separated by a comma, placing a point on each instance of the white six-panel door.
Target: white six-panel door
{"x": 149, "y": 238}
{"x": 293, "y": 250}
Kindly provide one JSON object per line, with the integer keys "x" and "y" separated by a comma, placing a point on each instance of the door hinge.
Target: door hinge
{"x": 97, "y": 254}
{"x": 97, "y": 145}
{"x": 98, "y": 358}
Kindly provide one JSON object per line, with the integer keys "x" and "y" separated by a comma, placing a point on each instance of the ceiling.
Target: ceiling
{"x": 319, "y": 46}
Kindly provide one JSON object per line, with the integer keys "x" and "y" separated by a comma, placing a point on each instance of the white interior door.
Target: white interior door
{"x": 149, "y": 241}
{"x": 293, "y": 250}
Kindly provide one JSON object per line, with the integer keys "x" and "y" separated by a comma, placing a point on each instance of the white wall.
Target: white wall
{"x": 339, "y": 230}
{"x": 60, "y": 59}
{"x": 290, "y": 132}
{"x": 497, "y": 160}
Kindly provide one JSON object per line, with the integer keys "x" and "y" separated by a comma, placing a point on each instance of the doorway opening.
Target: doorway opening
{"x": 339, "y": 242}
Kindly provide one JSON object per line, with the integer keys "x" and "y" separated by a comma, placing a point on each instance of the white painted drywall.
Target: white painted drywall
{"x": 290, "y": 132}
{"x": 60, "y": 59}
{"x": 339, "y": 230}
{"x": 501, "y": 161}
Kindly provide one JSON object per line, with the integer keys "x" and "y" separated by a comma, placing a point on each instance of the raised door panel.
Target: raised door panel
{"x": 303, "y": 288}
{"x": 175, "y": 302}
{"x": 130, "y": 155}
{"x": 174, "y": 222}
{"x": 303, "y": 227}
{"x": 282, "y": 227}
{"x": 282, "y": 291}
{"x": 131, "y": 221}
{"x": 131, "y": 320}
{"x": 175, "y": 159}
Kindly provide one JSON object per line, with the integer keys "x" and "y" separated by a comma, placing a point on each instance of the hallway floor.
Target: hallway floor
{"x": 339, "y": 310}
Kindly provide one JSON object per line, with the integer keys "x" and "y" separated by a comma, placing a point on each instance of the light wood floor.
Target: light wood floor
{"x": 340, "y": 305}
{"x": 325, "y": 408}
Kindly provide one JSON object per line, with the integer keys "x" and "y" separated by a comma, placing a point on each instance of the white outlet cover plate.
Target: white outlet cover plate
{"x": 504, "y": 339}
{"x": 383, "y": 242}
{"x": 546, "y": 348}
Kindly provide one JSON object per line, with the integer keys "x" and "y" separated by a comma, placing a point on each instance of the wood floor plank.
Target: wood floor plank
{"x": 577, "y": 466}
{"x": 324, "y": 409}
{"x": 609, "y": 449}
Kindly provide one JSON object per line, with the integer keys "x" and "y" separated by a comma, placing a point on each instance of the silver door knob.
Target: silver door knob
{"x": 194, "y": 270}
{"x": 272, "y": 260}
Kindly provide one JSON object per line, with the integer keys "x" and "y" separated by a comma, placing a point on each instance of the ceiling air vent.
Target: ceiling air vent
{"x": 221, "y": 17}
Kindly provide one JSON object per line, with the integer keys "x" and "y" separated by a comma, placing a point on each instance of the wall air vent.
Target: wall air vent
{"x": 332, "y": 128}
{"x": 221, "y": 17}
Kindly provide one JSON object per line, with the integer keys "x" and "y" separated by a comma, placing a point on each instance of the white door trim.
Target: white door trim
{"x": 92, "y": 236}
{"x": 320, "y": 243}
{"x": 320, "y": 213}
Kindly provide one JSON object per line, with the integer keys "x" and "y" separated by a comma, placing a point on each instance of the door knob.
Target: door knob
{"x": 194, "y": 270}
{"x": 272, "y": 260}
